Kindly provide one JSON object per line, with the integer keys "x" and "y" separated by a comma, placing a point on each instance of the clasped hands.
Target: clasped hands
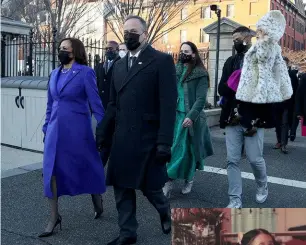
{"x": 163, "y": 152}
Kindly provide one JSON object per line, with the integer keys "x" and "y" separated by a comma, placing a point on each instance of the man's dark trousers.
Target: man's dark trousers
{"x": 282, "y": 129}
{"x": 126, "y": 207}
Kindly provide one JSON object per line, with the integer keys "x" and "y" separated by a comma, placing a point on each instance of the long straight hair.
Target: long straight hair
{"x": 195, "y": 62}
{"x": 250, "y": 236}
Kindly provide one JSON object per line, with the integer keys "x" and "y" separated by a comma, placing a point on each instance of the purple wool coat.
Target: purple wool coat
{"x": 70, "y": 151}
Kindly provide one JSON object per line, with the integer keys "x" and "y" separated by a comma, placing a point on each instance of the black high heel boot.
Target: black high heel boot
{"x": 98, "y": 205}
{"x": 50, "y": 233}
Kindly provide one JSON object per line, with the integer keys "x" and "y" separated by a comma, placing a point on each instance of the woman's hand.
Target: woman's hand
{"x": 187, "y": 123}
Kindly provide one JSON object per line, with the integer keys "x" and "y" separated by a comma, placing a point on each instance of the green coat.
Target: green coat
{"x": 195, "y": 92}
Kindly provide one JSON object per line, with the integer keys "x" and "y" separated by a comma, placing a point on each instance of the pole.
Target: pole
{"x": 218, "y": 12}
{"x": 30, "y": 59}
{"x": 54, "y": 47}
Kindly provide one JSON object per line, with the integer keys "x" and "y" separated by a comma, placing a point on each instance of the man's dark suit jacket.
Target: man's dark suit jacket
{"x": 104, "y": 80}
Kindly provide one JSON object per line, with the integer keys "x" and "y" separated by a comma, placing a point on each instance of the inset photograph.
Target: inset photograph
{"x": 245, "y": 226}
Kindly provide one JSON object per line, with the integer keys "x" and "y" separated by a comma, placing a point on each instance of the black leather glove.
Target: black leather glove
{"x": 99, "y": 142}
{"x": 163, "y": 154}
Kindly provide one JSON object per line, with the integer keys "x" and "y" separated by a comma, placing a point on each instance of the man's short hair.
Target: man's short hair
{"x": 286, "y": 59}
{"x": 142, "y": 21}
{"x": 113, "y": 43}
{"x": 242, "y": 29}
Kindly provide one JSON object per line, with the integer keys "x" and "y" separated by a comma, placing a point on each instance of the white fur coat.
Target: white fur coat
{"x": 264, "y": 77}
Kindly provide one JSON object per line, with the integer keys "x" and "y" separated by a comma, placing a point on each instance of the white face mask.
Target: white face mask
{"x": 122, "y": 53}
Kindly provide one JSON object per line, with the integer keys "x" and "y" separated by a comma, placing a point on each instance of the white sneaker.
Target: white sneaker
{"x": 168, "y": 188}
{"x": 234, "y": 204}
{"x": 262, "y": 194}
{"x": 187, "y": 187}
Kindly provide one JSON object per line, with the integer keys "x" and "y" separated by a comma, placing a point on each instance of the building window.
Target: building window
{"x": 292, "y": 43}
{"x": 165, "y": 38}
{"x": 289, "y": 22}
{"x": 272, "y": 6}
{"x": 230, "y": 10}
{"x": 183, "y": 36}
{"x": 184, "y": 13}
{"x": 247, "y": 219}
{"x": 293, "y": 21}
{"x": 284, "y": 43}
{"x": 204, "y": 38}
{"x": 205, "y": 12}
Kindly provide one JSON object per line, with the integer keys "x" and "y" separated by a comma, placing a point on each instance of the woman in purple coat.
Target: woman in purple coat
{"x": 72, "y": 165}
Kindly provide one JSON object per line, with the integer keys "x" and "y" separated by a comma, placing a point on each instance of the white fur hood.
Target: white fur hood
{"x": 273, "y": 24}
{"x": 264, "y": 76}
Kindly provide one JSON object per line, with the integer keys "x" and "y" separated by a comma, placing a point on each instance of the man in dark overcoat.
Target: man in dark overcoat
{"x": 140, "y": 121}
{"x": 104, "y": 73}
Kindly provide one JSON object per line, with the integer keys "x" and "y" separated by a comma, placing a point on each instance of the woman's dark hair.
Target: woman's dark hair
{"x": 249, "y": 237}
{"x": 196, "y": 62}
{"x": 78, "y": 50}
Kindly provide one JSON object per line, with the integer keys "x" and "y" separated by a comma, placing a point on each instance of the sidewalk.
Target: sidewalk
{"x": 15, "y": 161}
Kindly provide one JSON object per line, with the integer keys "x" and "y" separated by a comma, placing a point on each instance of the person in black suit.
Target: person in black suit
{"x": 285, "y": 115}
{"x": 140, "y": 120}
{"x": 301, "y": 99}
{"x": 104, "y": 73}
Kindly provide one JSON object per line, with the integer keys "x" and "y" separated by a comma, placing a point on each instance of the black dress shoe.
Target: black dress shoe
{"x": 292, "y": 137}
{"x": 166, "y": 223}
{"x": 123, "y": 241}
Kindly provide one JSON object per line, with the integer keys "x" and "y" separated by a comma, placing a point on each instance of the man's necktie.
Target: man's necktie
{"x": 132, "y": 61}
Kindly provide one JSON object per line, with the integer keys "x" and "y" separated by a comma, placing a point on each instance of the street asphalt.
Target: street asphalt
{"x": 24, "y": 210}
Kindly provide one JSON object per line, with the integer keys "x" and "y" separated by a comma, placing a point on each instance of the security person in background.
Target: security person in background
{"x": 104, "y": 76}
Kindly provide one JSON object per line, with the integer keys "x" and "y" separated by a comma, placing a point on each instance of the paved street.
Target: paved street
{"x": 25, "y": 211}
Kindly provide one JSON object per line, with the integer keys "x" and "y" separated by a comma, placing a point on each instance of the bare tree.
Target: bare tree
{"x": 157, "y": 13}
{"x": 297, "y": 58}
{"x": 68, "y": 17}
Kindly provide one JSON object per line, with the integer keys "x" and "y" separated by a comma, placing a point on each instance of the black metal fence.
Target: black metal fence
{"x": 29, "y": 55}
{"x": 32, "y": 55}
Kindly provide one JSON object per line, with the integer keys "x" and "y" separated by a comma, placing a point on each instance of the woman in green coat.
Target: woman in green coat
{"x": 192, "y": 142}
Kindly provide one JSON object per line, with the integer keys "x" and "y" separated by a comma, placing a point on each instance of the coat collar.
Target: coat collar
{"x": 144, "y": 59}
{"x": 75, "y": 69}
{"x": 196, "y": 73}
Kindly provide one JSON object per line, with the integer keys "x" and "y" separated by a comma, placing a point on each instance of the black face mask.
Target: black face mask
{"x": 110, "y": 55}
{"x": 185, "y": 58}
{"x": 64, "y": 57}
{"x": 240, "y": 47}
{"x": 131, "y": 41}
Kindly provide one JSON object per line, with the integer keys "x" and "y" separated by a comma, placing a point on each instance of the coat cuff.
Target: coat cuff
{"x": 193, "y": 115}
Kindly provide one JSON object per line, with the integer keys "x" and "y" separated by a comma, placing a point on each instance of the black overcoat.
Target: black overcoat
{"x": 104, "y": 80}
{"x": 301, "y": 98}
{"x": 141, "y": 111}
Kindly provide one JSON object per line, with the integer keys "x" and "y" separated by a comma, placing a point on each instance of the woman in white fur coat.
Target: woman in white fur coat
{"x": 264, "y": 77}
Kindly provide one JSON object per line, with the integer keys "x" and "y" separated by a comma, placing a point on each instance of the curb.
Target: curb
{"x": 21, "y": 170}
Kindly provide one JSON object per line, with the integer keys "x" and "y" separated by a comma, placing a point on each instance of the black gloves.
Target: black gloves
{"x": 163, "y": 154}
{"x": 99, "y": 142}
